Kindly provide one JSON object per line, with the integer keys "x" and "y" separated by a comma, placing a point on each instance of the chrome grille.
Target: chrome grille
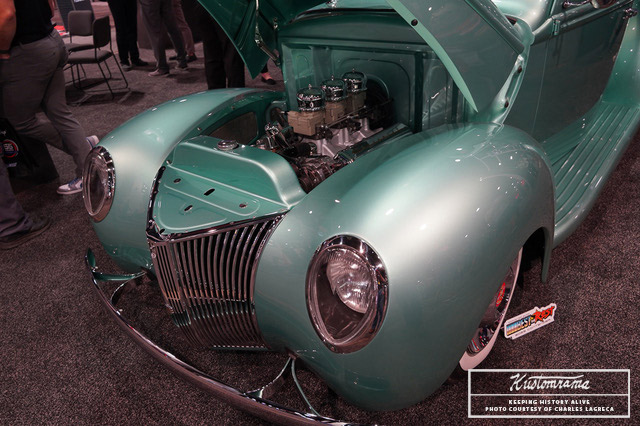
{"x": 207, "y": 282}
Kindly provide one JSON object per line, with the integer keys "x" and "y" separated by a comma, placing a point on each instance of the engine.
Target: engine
{"x": 330, "y": 119}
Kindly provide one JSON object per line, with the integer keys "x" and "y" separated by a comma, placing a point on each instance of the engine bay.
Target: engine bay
{"x": 317, "y": 139}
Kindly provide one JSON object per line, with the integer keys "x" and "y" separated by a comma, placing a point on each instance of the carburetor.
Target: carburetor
{"x": 323, "y": 106}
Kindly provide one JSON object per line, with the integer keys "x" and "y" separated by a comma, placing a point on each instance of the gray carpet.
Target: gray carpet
{"x": 65, "y": 361}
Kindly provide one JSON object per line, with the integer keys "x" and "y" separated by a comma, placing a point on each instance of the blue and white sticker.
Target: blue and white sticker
{"x": 529, "y": 321}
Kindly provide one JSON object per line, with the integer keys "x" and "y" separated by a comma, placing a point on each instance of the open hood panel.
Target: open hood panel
{"x": 238, "y": 18}
{"x": 479, "y": 50}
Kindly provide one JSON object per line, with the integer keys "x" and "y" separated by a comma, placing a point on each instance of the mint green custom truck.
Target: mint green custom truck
{"x": 369, "y": 222}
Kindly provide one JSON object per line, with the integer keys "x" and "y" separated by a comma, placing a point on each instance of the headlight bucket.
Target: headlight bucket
{"x": 98, "y": 183}
{"x": 347, "y": 293}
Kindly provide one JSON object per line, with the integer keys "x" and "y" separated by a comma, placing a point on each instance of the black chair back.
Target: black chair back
{"x": 101, "y": 39}
{"x": 101, "y": 32}
{"x": 80, "y": 23}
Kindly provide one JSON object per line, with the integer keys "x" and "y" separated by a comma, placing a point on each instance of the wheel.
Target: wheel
{"x": 489, "y": 328}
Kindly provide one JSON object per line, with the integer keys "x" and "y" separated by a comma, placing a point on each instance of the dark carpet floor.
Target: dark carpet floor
{"x": 65, "y": 362}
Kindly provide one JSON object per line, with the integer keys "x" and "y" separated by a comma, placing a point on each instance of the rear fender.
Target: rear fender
{"x": 447, "y": 211}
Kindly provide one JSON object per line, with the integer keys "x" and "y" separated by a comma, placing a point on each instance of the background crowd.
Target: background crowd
{"x": 33, "y": 57}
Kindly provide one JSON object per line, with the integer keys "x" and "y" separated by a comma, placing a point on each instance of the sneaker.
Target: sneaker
{"x": 139, "y": 62}
{"x": 92, "y": 140}
{"x": 72, "y": 187}
{"x": 191, "y": 58}
{"x": 158, "y": 72}
{"x": 182, "y": 65}
{"x": 126, "y": 66}
{"x": 39, "y": 226}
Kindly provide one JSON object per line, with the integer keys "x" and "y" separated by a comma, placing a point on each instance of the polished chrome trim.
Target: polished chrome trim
{"x": 152, "y": 228}
{"x": 110, "y": 189}
{"x": 493, "y": 319}
{"x": 568, "y": 4}
{"x": 207, "y": 280}
{"x": 597, "y": 4}
{"x": 260, "y": 41}
{"x": 373, "y": 319}
{"x": 251, "y": 402}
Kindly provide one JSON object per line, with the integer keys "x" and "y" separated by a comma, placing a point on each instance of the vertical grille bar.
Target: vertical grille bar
{"x": 207, "y": 280}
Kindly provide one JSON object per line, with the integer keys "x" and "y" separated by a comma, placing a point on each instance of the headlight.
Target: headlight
{"x": 98, "y": 183}
{"x": 346, "y": 293}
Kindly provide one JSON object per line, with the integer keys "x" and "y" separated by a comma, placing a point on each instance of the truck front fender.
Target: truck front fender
{"x": 447, "y": 212}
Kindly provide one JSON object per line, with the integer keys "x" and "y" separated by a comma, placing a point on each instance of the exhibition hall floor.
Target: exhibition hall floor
{"x": 64, "y": 361}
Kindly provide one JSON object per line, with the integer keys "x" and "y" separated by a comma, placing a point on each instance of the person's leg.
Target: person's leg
{"x": 119, "y": 12}
{"x": 24, "y": 79}
{"x": 152, "y": 19}
{"x": 169, "y": 20}
{"x": 213, "y": 63}
{"x": 184, "y": 27}
{"x": 131, "y": 21}
{"x": 54, "y": 105}
{"x": 16, "y": 227}
{"x": 234, "y": 67}
{"x": 12, "y": 218}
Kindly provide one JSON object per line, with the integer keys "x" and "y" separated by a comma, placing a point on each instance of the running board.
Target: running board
{"x": 582, "y": 157}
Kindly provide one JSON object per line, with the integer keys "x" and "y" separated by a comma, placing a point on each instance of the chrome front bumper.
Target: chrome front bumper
{"x": 253, "y": 402}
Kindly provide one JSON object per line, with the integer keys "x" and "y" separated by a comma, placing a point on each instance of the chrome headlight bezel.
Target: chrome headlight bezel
{"x": 99, "y": 160}
{"x": 318, "y": 284}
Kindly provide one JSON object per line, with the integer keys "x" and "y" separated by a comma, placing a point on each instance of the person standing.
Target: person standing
{"x": 16, "y": 227}
{"x": 125, "y": 17}
{"x": 158, "y": 15}
{"x": 223, "y": 65}
{"x": 187, "y": 36}
{"x": 32, "y": 57}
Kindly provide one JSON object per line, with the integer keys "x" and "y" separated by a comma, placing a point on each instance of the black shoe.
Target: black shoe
{"x": 139, "y": 62}
{"x": 126, "y": 66}
{"x": 173, "y": 58}
{"x": 270, "y": 81}
{"x": 191, "y": 58}
{"x": 14, "y": 240}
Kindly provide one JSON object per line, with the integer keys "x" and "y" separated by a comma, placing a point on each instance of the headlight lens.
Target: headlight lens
{"x": 98, "y": 183}
{"x": 350, "y": 278}
{"x": 346, "y": 293}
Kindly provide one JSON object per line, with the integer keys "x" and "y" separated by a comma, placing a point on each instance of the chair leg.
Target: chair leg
{"x": 126, "y": 83}
{"x": 76, "y": 78}
{"x": 76, "y": 83}
{"x": 106, "y": 80}
{"x": 106, "y": 64}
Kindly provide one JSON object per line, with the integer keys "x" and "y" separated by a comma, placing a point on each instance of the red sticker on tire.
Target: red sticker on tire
{"x": 501, "y": 294}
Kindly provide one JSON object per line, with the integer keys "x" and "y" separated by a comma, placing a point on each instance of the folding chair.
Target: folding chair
{"x": 80, "y": 23}
{"x": 97, "y": 55}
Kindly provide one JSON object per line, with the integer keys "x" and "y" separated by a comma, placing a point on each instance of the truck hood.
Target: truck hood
{"x": 473, "y": 39}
